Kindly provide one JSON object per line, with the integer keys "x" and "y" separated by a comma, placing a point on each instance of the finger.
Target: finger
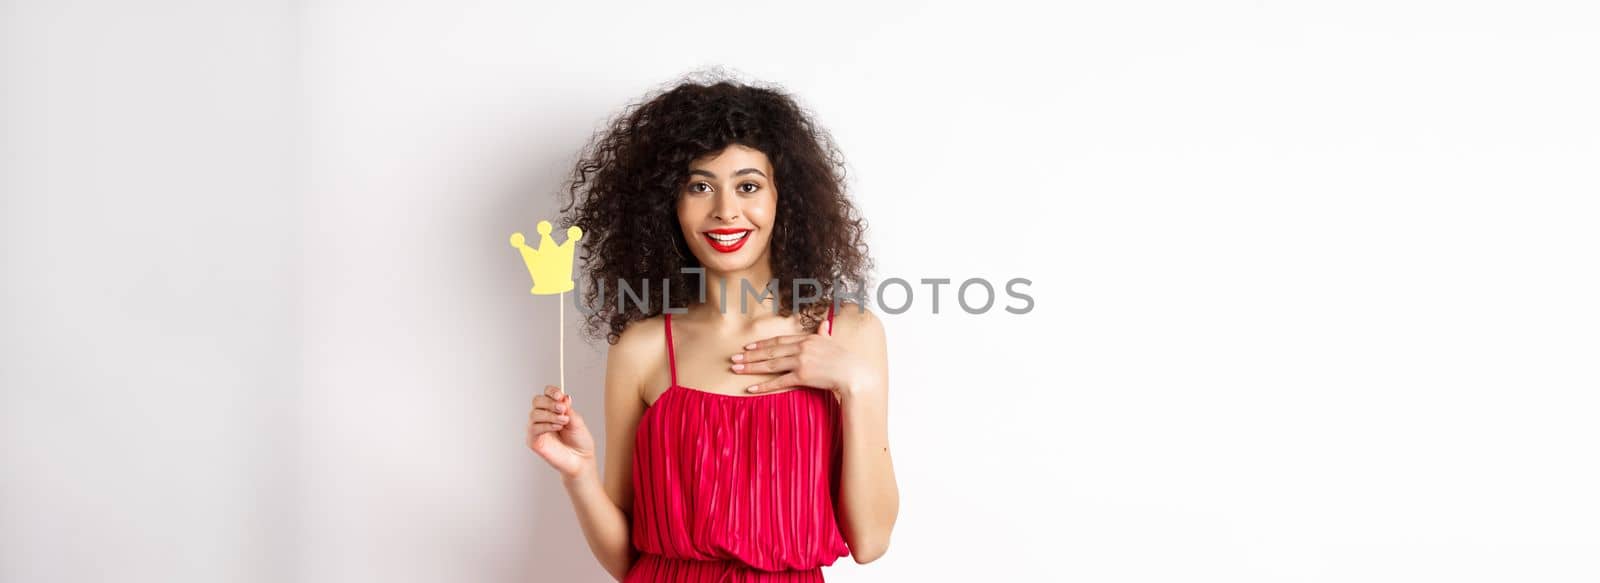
{"x": 769, "y": 353}
{"x": 539, "y": 428}
{"x": 548, "y": 404}
{"x": 781, "y": 364}
{"x": 775, "y": 341}
{"x": 543, "y": 416}
{"x": 554, "y": 392}
{"x": 782, "y": 382}
{"x": 551, "y": 404}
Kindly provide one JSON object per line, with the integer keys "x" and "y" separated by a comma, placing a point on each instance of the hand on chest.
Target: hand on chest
{"x": 704, "y": 353}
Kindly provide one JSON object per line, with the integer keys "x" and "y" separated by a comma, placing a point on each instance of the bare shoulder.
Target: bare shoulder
{"x": 861, "y": 332}
{"x": 639, "y": 352}
{"x": 640, "y": 336}
{"x": 857, "y": 325}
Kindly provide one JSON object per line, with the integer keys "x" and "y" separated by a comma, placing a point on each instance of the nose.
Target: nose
{"x": 727, "y": 209}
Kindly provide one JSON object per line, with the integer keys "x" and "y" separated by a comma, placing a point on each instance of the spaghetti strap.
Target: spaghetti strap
{"x": 672, "y": 359}
{"x": 830, "y": 318}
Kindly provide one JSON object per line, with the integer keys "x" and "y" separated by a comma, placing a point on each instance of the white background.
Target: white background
{"x": 1315, "y": 284}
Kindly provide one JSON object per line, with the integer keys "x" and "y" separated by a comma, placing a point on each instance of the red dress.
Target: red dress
{"x": 736, "y": 488}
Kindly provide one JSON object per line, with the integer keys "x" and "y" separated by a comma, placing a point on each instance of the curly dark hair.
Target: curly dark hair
{"x": 625, "y": 185}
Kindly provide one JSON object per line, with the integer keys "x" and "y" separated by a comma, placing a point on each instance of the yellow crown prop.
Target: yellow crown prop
{"x": 550, "y": 265}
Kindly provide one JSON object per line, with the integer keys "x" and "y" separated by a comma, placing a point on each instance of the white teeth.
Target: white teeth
{"x": 729, "y": 238}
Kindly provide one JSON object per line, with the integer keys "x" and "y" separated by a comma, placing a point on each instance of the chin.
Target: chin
{"x": 740, "y": 260}
{"x": 726, "y": 264}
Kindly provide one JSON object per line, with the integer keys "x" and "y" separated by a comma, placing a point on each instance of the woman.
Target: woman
{"x": 746, "y": 437}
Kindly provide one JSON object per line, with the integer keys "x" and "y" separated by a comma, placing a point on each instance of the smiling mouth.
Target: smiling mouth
{"x": 726, "y": 240}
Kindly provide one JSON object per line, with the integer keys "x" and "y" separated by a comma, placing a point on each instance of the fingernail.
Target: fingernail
{"x": 738, "y": 357}
{"x": 750, "y": 389}
{"x": 561, "y": 408}
{"x": 563, "y": 418}
{"x": 738, "y": 367}
{"x": 750, "y": 346}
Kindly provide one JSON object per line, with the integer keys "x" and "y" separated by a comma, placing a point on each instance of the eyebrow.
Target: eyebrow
{"x": 741, "y": 172}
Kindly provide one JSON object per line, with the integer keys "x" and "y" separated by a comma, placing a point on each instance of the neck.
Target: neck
{"x": 727, "y": 307}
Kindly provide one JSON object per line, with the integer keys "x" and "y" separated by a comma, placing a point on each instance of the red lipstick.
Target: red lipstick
{"x": 726, "y": 240}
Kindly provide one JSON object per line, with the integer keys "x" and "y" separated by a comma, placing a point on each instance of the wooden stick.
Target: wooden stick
{"x": 561, "y": 311}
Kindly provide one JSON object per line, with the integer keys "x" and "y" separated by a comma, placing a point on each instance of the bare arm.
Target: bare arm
{"x": 869, "y": 499}
{"x": 604, "y": 505}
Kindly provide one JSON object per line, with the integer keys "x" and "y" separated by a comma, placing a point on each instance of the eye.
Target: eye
{"x": 755, "y": 186}
{"x": 695, "y": 187}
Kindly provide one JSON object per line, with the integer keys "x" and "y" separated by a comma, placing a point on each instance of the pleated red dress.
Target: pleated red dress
{"x": 736, "y": 488}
